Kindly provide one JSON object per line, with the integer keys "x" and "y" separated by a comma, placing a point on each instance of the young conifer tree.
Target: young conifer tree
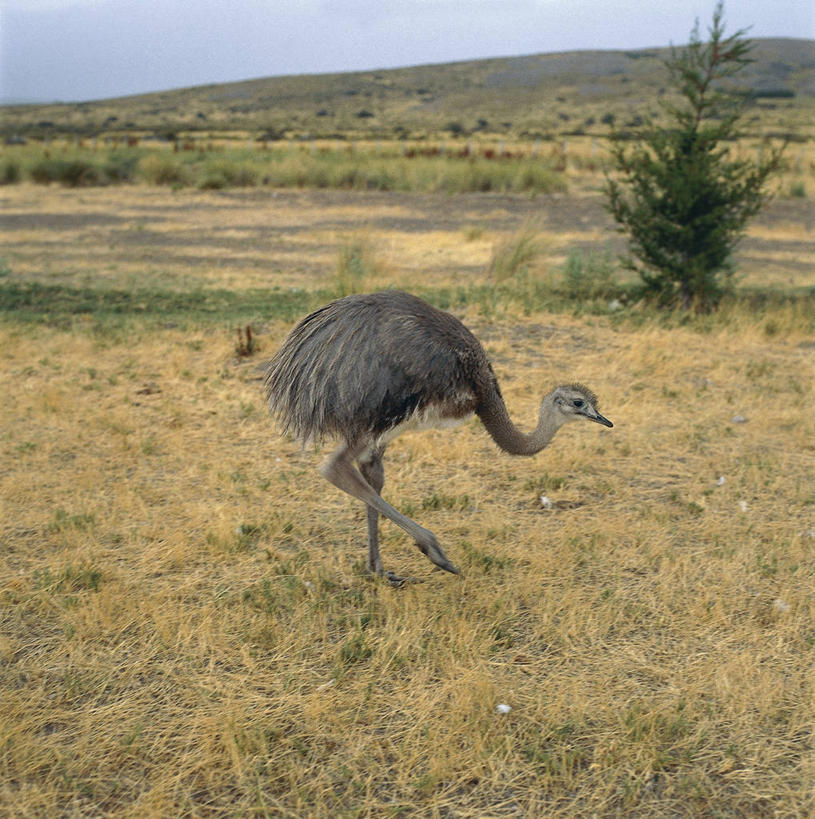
{"x": 677, "y": 191}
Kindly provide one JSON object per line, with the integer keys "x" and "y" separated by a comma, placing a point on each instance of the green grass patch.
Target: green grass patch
{"x": 47, "y": 303}
{"x": 282, "y": 167}
{"x": 589, "y": 275}
{"x": 356, "y": 265}
{"x": 66, "y": 306}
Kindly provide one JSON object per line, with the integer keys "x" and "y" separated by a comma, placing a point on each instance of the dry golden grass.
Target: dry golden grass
{"x": 187, "y": 629}
{"x": 136, "y": 236}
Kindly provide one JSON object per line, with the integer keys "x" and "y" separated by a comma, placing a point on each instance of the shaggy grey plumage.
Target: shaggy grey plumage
{"x": 362, "y": 367}
{"x": 359, "y": 366}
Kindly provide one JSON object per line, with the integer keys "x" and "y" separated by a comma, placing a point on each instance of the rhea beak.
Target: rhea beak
{"x": 599, "y": 419}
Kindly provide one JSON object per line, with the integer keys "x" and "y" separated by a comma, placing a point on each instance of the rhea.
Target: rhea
{"x": 364, "y": 368}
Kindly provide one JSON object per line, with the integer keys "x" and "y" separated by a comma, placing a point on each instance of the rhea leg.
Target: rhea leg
{"x": 339, "y": 469}
{"x": 373, "y": 470}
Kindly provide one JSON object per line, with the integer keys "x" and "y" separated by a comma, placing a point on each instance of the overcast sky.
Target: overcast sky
{"x": 89, "y": 49}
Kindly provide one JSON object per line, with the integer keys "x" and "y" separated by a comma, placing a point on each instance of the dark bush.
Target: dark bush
{"x": 773, "y": 93}
{"x": 120, "y": 168}
{"x": 9, "y": 172}
{"x": 72, "y": 173}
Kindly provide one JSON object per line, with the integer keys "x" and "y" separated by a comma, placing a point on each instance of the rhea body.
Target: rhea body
{"x": 364, "y": 368}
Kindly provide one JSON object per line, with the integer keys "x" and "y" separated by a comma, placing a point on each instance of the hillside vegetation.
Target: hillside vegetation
{"x": 531, "y": 96}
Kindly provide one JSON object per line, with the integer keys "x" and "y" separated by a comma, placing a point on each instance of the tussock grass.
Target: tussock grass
{"x": 359, "y": 266}
{"x": 515, "y": 254}
{"x": 159, "y": 169}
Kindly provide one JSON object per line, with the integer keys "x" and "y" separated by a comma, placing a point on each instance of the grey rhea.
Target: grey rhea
{"x": 364, "y": 368}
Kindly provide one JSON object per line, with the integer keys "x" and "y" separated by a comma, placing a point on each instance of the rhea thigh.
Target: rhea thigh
{"x": 372, "y": 468}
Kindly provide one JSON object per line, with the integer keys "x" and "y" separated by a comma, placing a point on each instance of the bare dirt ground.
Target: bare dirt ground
{"x": 151, "y": 237}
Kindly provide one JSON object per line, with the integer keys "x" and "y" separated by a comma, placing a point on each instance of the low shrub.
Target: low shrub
{"x": 72, "y": 173}
{"x": 120, "y": 168}
{"x": 163, "y": 170}
{"x": 224, "y": 173}
{"x": 797, "y": 190}
{"x": 10, "y": 172}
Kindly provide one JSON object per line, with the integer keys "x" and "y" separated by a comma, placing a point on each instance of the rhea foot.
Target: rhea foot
{"x": 431, "y": 549}
{"x": 397, "y": 581}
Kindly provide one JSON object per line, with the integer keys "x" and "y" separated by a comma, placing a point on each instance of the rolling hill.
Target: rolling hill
{"x": 533, "y": 96}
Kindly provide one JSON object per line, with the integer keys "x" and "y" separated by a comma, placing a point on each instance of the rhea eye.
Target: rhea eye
{"x": 579, "y": 403}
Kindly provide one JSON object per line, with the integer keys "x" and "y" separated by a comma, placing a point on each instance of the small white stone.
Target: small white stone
{"x": 721, "y": 481}
{"x": 546, "y": 503}
{"x": 780, "y": 606}
{"x": 614, "y": 305}
{"x": 739, "y": 419}
{"x": 503, "y": 708}
{"x": 743, "y": 506}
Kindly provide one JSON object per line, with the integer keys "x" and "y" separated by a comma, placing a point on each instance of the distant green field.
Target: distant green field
{"x": 211, "y": 167}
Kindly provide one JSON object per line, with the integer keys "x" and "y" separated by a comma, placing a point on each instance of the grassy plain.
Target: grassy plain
{"x": 186, "y": 627}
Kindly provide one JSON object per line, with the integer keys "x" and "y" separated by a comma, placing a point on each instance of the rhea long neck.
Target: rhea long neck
{"x": 494, "y": 416}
